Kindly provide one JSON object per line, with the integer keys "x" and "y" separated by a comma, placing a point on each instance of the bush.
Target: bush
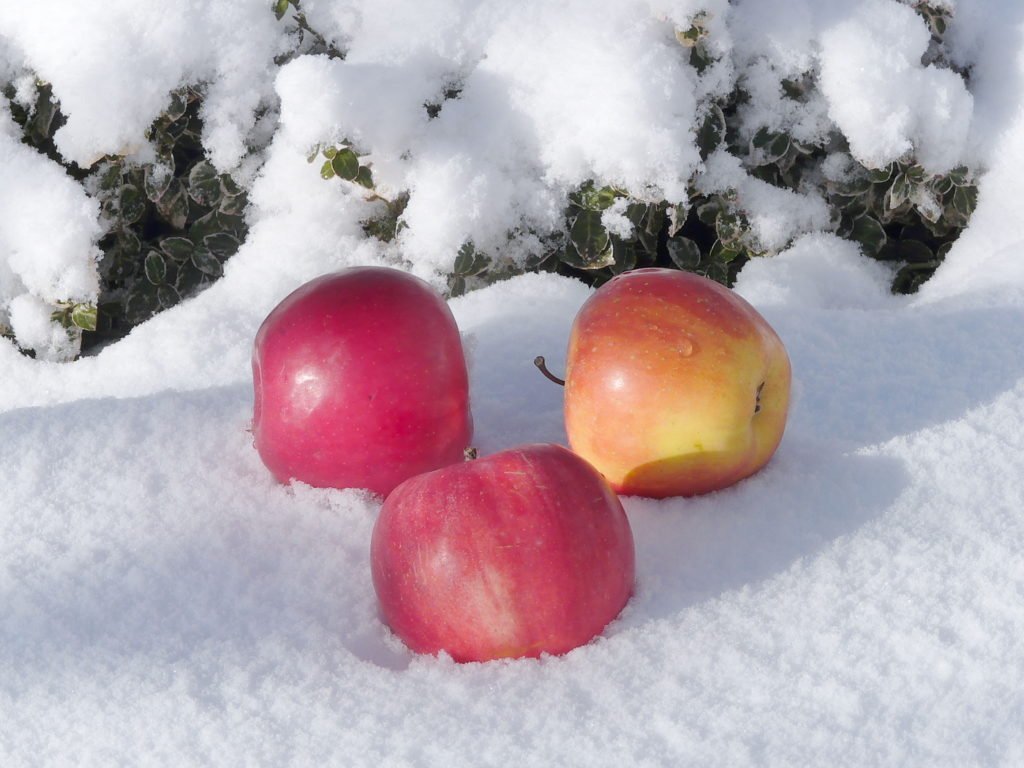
{"x": 169, "y": 225}
{"x": 898, "y": 213}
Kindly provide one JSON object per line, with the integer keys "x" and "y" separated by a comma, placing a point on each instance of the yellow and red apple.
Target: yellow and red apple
{"x": 674, "y": 385}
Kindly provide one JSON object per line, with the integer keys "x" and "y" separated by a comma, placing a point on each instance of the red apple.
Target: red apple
{"x": 674, "y": 384}
{"x": 524, "y": 552}
{"x": 360, "y": 382}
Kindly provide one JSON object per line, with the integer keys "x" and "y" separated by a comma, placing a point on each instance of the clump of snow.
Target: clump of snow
{"x": 818, "y": 270}
{"x": 48, "y": 233}
{"x": 886, "y": 103}
{"x": 614, "y": 219}
{"x": 30, "y": 321}
{"x": 775, "y": 214}
{"x": 113, "y": 68}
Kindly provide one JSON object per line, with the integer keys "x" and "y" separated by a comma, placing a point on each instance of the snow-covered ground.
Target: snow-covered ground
{"x": 858, "y": 602}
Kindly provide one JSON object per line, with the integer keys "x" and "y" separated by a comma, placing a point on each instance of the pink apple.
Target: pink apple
{"x": 360, "y": 382}
{"x": 524, "y": 552}
{"x": 674, "y": 384}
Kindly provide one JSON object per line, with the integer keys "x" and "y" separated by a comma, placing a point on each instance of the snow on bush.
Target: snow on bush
{"x": 479, "y": 119}
{"x": 48, "y": 233}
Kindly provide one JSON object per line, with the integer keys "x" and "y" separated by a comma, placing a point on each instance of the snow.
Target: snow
{"x": 44, "y": 264}
{"x": 858, "y": 602}
{"x": 880, "y": 96}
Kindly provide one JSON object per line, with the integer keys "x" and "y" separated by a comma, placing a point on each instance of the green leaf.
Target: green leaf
{"x": 942, "y": 185}
{"x": 281, "y": 8}
{"x": 590, "y": 199}
{"x": 869, "y": 233}
{"x": 636, "y": 213}
{"x": 206, "y": 262}
{"x": 157, "y": 181}
{"x": 792, "y": 88}
{"x": 625, "y": 256}
{"x": 711, "y": 131}
{"x": 133, "y": 203}
{"x": 880, "y": 175}
{"x": 589, "y": 246}
{"x": 916, "y": 252}
{"x": 44, "y": 112}
{"x": 778, "y": 148}
{"x": 346, "y": 164}
{"x": 649, "y": 231}
{"x": 204, "y": 184}
{"x": 364, "y": 178}
{"x": 155, "y": 267}
{"x": 722, "y": 253}
{"x": 964, "y": 201}
{"x": 915, "y": 174}
{"x": 178, "y": 248}
{"x": 84, "y": 316}
{"x": 188, "y": 278}
{"x": 167, "y": 295}
{"x": 769, "y": 146}
{"x": 899, "y": 193}
{"x": 855, "y": 187}
{"x": 959, "y": 175}
{"x": 700, "y": 58}
{"x": 469, "y": 262}
{"x": 927, "y": 206}
{"x": 233, "y": 205}
{"x": 221, "y": 243}
{"x": 330, "y": 152}
{"x": 173, "y": 205}
{"x": 708, "y": 212}
{"x": 729, "y": 228}
{"x": 677, "y": 215}
{"x": 684, "y": 252}
{"x": 178, "y": 106}
{"x": 110, "y": 176}
{"x": 456, "y": 286}
{"x": 695, "y": 32}
{"x": 228, "y": 186}
{"x": 604, "y": 198}
{"x": 327, "y": 170}
{"x": 589, "y": 236}
{"x": 209, "y": 224}
{"x": 129, "y": 244}
{"x": 762, "y": 138}
{"x": 851, "y": 207}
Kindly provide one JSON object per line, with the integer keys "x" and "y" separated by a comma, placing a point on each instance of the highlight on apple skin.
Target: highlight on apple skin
{"x": 523, "y": 552}
{"x": 360, "y": 381}
{"x": 674, "y": 384}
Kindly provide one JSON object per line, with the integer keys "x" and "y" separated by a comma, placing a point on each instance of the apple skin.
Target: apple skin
{"x": 523, "y": 552}
{"x": 674, "y": 385}
{"x": 360, "y": 382}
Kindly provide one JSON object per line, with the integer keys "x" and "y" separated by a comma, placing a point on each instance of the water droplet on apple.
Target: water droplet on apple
{"x": 685, "y": 347}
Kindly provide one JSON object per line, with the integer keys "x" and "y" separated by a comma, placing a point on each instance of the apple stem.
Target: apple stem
{"x": 539, "y": 362}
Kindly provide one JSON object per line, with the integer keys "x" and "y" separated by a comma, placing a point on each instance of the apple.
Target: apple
{"x": 360, "y": 382}
{"x": 674, "y": 384}
{"x": 523, "y": 552}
